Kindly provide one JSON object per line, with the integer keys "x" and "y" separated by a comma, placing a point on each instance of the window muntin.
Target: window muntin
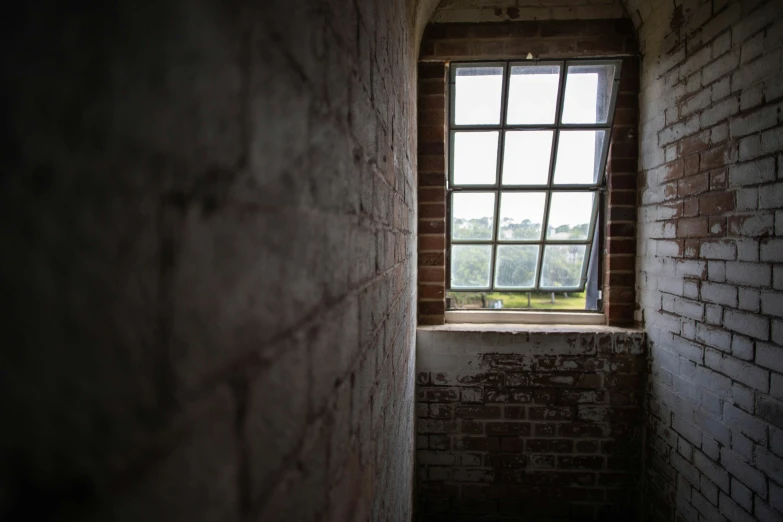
{"x": 547, "y": 139}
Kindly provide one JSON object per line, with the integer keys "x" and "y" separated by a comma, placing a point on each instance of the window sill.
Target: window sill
{"x": 449, "y": 343}
{"x": 524, "y": 318}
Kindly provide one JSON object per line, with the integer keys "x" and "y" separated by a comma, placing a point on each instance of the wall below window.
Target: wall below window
{"x": 538, "y": 421}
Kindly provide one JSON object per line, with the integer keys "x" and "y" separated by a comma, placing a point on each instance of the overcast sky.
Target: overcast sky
{"x": 532, "y": 100}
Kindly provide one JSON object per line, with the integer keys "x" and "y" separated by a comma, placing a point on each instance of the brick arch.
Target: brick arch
{"x": 551, "y": 38}
{"x": 426, "y": 9}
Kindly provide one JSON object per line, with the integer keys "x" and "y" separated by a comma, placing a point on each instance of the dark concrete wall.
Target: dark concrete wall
{"x": 207, "y": 261}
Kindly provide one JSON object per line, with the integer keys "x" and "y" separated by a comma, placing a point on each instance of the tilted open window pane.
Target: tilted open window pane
{"x": 570, "y": 214}
{"x": 473, "y": 216}
{"x": 521, "y": 215}
{"x": 588, "y": 93}
{"x": 579, "y": 157}
{"x": 470, "y": 266}
{"x": 475, "y": 158}
{"x": 516, "y": 267}
{"x": 526, "y": 162}
{"x": 477, "y": 93}
{"x": 527, "y": 157}
{"x": 533, "y": 94}
{"x": 563, "y": 266}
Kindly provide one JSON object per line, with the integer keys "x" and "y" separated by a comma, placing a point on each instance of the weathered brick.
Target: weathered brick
{"x": 719, "y": 293}
{"x": 744, "y": 472}
{"x": 753, "y": 172}
{"x": 746, "y": 423}
{"x": 751, "y": 274}
{"x": 712, "y": 470}
{"x": 726, "y": 250}
{"x": 770, "y": 409}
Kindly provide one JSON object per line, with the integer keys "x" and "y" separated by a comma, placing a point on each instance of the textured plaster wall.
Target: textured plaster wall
{"x": 208, "y": 261}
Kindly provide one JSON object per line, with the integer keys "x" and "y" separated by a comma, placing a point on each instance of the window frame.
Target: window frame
{"x": 598, "y": 188}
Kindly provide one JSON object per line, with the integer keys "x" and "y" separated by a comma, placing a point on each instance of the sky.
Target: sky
{"x": 532, "y": 100}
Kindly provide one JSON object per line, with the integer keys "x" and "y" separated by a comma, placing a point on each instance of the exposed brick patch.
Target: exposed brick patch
{"x": 529, "y": 423}
{"x": 432, "y": 192}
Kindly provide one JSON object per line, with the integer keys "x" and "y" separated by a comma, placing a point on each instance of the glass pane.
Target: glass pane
{"x": 470, "y": 266}
{"x": 516, "y": 266}
{"x": 475, "y": 158}
{"x": 477, "y": 92}
{"x": 472, "y": 215}
{"x": 588, "y": 93}
{"x": 562, "y": 266}
{"x": 532, "y": 94}
{"x": 526, "y": 157}
{"x": 579, "y": 157}
{"x": 569, "y": 215}
{"x": 521, "y": 215}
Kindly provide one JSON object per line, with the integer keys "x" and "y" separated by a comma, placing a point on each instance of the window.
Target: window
{"x": 527, "y": 156}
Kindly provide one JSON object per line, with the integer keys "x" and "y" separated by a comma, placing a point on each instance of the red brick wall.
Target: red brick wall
{"x": 529, "y": 425}
{"x": 550, "y": 39}
{"x": 710, "y": 257}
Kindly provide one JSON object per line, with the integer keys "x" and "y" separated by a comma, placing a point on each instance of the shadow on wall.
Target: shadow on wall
{"x": 207, "y": 216}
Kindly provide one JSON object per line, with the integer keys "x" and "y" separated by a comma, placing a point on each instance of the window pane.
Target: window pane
{"x": 569, "y": 215}
{"x": 588, "y": 93}
{"x": 516, "y": 266}
{"x": 533, "y": 94}
{"x": 472, "y": 215}
{"x": 526, "y": 157}
{"x": 470, "y": 266}
{"x": 562, "y": 266}
{"x": 579, "y": 157}
{"x": 477, "y": 92}
{"x": 521, "y": 215}
{"x": 475, "y": 158}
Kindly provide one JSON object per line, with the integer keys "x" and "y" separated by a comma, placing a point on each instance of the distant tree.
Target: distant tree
{"x": 517, "y": 265}
{"x": 480, "y": 228}
{"x": 509, "y": 229}
{"x": 471, "y": 267}
{"x": 563, "y": 266}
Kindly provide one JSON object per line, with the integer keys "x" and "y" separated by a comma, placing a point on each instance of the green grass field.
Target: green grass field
{"x": 538, "y": 300}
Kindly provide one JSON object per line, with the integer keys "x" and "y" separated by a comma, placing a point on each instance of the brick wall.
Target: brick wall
{"x": 547, "y": 39}
{"x": 536, "y": 424}
{"x": 208, "y": 260}
{"x": 710, "y": 254}
{"x": 451, "y": 11}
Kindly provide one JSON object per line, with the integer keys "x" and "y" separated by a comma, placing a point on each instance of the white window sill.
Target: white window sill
{"x": 524, "y": 317}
